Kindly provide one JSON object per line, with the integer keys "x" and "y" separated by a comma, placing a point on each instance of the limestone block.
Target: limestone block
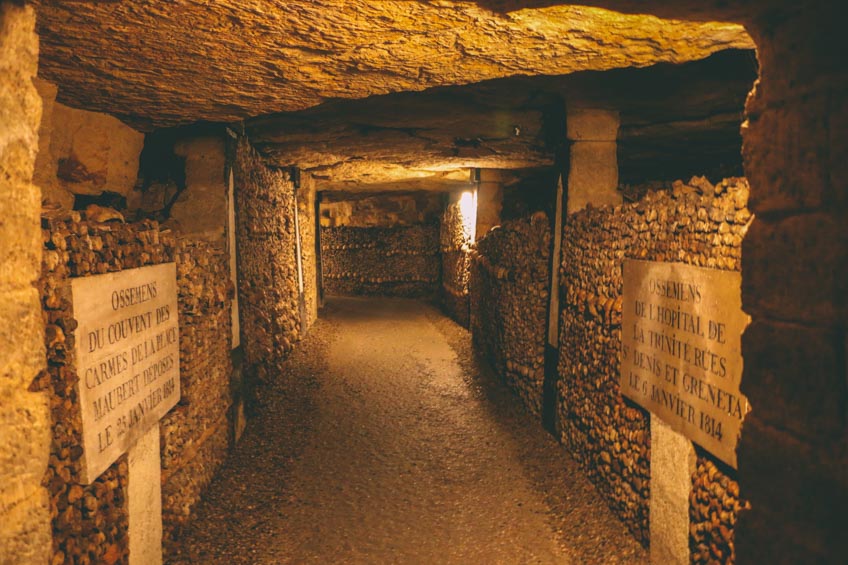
{"x": 799, "y": 53}
{"x": 796, "y": 268}
{"x": 593, "y": 177}
{"x": 46, "y": 166}
{"x": 838, "y": 147}
{"x": 201, "y": 209}
{"x": 775, "y": 354}
{"x": 803, "y": 498}
{"x": 21, "y": 345}
{"x": 20, "y": 105}
{"x": 24, "y": 440}
{"x": 489, "y": 206}
{"x": 785, "y": 152}
{"x": 592, "y": 125}
{"x": 495, "y": 176}
{"x": 672, "y": 464}
{"x": 24, "y": 448}
{"x": 21, "y": 336}
{"x": 25, "y": 535}
{"x": 20, "y": 236}
{"x": 95, "y": 152}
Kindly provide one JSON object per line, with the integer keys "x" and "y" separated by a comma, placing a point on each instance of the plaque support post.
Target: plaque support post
{"x": 145, "y": 500}
{"x": 672, "y": 464}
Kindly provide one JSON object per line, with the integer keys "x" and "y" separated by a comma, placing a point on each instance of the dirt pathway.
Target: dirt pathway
{"x": 385, "y": 443}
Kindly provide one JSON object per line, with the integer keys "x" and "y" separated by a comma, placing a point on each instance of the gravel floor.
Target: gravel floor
{"x": 385, "y": 442}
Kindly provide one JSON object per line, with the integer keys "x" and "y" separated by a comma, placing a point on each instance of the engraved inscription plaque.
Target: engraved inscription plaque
{"x": 681, "y": 352}
{"x": 127, "y": 358}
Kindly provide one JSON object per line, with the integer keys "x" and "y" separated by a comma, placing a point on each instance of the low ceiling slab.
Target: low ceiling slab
{"x": 157, "y": 64}
{"x": 674, "y": 119}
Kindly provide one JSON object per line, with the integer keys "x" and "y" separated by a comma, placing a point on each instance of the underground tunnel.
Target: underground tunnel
{"x": 467, "y": 281}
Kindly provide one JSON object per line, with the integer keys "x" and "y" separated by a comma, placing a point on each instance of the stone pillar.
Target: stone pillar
{"x": 233, "y": 259}
{"x": 201, "y": 209}
{"x": 144, "y": 500}
{"x": 553, "y": 308}
{"x": 593, "y": 175}
{"x": 673, "y": 461}
{"x": 793, "y": 453}
{"x": 24, "y": 417}
{"x": 46, "y": 175}
{"x": 489, "y": 201}
{"x": 309, "y": 255}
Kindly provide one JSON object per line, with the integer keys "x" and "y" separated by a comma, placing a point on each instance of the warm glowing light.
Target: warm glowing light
{"x": 468, "y": 210}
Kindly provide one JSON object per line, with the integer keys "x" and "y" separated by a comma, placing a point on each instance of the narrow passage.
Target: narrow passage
{"x": 383, "y": 441}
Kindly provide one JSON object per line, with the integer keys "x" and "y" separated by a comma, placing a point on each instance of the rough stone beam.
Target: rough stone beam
{"x": 407, "y": 136}
{"x": 187, "y": 60}
{"x": 692, "y": 10}
{"x": 420, "y": 138}
{"x": 385, "y": 177}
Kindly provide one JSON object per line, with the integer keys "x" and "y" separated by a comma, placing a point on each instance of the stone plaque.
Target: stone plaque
{"x": 681, "y": 352}
{"x": 127, "y": 358}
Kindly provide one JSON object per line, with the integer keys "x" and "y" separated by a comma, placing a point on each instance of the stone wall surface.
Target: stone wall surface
{"x": 795, "y": 441}
{"x": 695, "y": 223}
{"x": 83, "y": 152}
{"x": 90, "y": 521}
{"x": 455, "y": 240}
{"x": 490, "y": 196}
{"x": 267, "y": 268}
{"x": 46, "y": 174}
{"x": 24, "y": 415}
{"x": 201, "y": 209}
{"x": 391, "y": 261}
{"x": 510, "y": 274}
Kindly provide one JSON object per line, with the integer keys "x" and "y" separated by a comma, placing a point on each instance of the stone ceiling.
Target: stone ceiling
{"x": 159, "y": 64}
{"x": 675, "y": 120}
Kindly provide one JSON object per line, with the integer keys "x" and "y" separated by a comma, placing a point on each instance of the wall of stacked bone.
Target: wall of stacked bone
{"x": 267, "y": 266}
{"x": 195, "y": 436}
{"x": 695, "y": 223}
{"x": 395, "y": 261}
{"x": 509, "y": 282}
{"x": 380, "y": 243}
{"x": 90, "y": 521}
{"x": 455, "y": 241}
